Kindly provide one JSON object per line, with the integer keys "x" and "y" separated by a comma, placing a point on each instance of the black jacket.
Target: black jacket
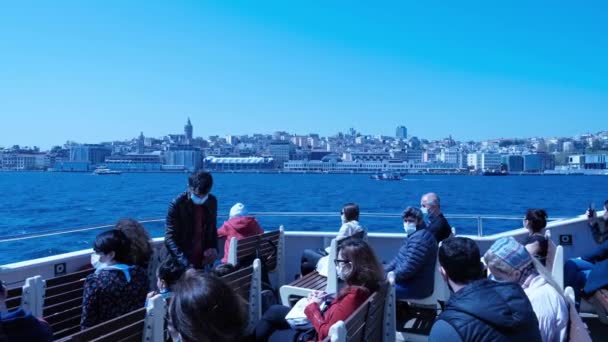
{"x": 440, "y": 227}
{"x": 486, "y": 310}
{"x": 414, "y": 264}
{"x": 180, "y": 227}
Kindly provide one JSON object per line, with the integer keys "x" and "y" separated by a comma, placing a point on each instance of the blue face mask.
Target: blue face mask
{"x": 198, "y": 200}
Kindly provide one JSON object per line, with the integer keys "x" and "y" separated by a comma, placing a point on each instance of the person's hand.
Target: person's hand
{"x": 209, "y": 256}
{"x": 151, "y": 294}
{"x": 316, "y": 297}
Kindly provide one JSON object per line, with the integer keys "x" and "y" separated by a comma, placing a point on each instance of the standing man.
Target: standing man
{"x": 437, "y": 224}
{"x": 191, "y": 225}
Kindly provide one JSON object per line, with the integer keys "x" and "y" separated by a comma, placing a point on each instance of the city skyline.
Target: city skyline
{"x": 97, "y": 72}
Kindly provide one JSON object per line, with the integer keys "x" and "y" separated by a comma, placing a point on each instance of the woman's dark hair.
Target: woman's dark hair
{"x": 201, "y": 182}
{"x": 365, "y": 270}
{"x": 221, "y": 270}
{"x": 537, "y": 219}
{"x": 141, "y": 248}
{"x": 351, "y": 211}
{"x": 113, "y": 241}
{"x": 170, "y": 271}
{"x": 460, "y": 258}
{"x": 205, "y": 309}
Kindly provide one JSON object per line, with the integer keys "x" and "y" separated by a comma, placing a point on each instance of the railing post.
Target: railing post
{"x": 479, "y": 226}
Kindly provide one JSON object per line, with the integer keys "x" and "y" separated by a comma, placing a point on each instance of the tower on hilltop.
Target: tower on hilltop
{"x": 141, "y": 143}
{"x": 188, "y": 132}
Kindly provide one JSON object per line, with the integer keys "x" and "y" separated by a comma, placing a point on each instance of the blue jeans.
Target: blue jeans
{"x": 576, "y": 272}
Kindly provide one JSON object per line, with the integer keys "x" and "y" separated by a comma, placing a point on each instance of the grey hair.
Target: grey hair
{"x": 432, "y": 198}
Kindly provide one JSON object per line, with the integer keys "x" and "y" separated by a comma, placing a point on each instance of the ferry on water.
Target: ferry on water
{"x": 104, "y": 171}
{"x": 51, "y": 287}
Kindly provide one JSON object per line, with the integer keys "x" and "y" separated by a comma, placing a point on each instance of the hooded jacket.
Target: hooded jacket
{"x": 239, "y": 227}
{"x": 486, "y": 310}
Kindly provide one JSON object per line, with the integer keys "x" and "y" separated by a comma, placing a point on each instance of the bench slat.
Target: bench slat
{"x": 112, "y": 325}
{"x": 68, "y": 323}
{"x": 68, "y": 278}
{"x": 58, "y": 317}
{"x": 122, "y": 334}
{"x": 57, "y": 308}
{"x": 236, "y": 275}
{"x": 59, "y": 289}
{"x": 64, "y": 297}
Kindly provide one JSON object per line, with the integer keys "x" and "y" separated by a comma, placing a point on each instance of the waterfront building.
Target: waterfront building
{"x": 513, "y": 163}
{"x": 588, "y": 161}
{"x": 188, "y": 157}
{"x": 401, "y": 133}
{"x": 484, "y": 161}
{"x": 329, "y": 165}
{"x": 365, "y": 156}
{"x": 280, "y": 151}
{"x": 413, "y": 155}
{"x": 24, "y": 161}
{"x": 133, "y": 162}
{"x": 538, "y": 162}
{"x": 238, "y": 163}
{"x": 89, "y": 153}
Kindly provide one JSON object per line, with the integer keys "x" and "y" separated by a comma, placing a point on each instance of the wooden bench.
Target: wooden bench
{"x": 62, "y": 306}
{"x": 247, "y": 283}
{"x": 314, "y": 281}
{"x": 267, "y": 247}
{"x": 128, "y": 327}
{"x": 555, "y": 260}
{"x": 26, "y": 296}
{"x": 372, "y": 321}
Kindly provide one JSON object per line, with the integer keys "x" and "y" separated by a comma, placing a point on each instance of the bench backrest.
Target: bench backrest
{"x": 555, "y": 260}
{"x": 370, "y": 321}
{"x": 247, "y": 282}
{"x": 62, "y": 306}
{"x": 128, "y": 327}
{"x": 267, "y": 247}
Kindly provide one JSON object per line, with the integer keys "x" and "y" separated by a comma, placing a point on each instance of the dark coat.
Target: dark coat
{"x": 414, "y": 265}
{"x": 486, "y": 310}
{"x": 439, "y": 226}
{"x": 180, "y": 227}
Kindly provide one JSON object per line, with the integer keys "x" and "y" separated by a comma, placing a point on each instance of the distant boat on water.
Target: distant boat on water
{"x": 104, "y": 171}
{"x": 386, "y": 176}
{"x": 495, "y": 173}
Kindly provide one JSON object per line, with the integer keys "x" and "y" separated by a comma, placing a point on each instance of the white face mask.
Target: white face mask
{"x": 409, "y": 228}
{"x": 198, "y": 200}
{"x": 425, "y": 210}
{"x": 340, "y": 271}
{"x": 95, "y": 261}
{"x": 343, "y": 218}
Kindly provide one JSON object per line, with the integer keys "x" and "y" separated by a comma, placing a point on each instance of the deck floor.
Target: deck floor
{"x": 599, "y": 331}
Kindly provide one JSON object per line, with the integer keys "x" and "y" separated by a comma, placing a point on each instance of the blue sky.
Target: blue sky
{"x": 101, "y": 70}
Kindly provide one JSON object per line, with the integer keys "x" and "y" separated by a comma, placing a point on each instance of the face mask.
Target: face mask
{"x": 198, "y": 200}
{"x": 409, "y": 228}
{"x": 425, "y": 211}
{"x": 343, "y": 218}
{"x": 97, "y": 264}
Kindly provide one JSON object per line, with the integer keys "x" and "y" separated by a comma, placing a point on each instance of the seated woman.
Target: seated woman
{"x": 115, "y": 288}
{"x": 358, "y": 266}
{"x": 599, "y": 228}
{"x": 205, "y": 309}
{"x": 167, "y": 274}
{"x": 536, "y": 243}
{"x": 588, "y": 273}
{"x": 141, "y": 243}
{"x": 350, "y": 226}
{"x": 414, "y": 265}
{"x": 508, "y": 260}
{"x": 239, "y": 225}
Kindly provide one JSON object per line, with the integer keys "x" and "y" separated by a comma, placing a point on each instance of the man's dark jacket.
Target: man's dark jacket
{"x": 179, "y": 233}
{"x": 491, "y": 311}
{"x": 439, "y": 226}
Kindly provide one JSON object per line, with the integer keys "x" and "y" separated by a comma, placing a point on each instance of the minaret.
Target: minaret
{"x": 140, "y": 143}
{"x": 188, "y": 131}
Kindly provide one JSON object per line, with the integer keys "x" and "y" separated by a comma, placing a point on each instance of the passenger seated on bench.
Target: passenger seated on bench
{"x": 204, "y": 308}
{"x": 414, "y": 264}
{"x": 239, "y": 225}
{"x": 536, "y": 243}
{"x": 480, "y": 309}
{"x": 18, "y": 325}
{"x": 508, "y": 260}
{"x": 350, "y": 226}
{"x": 358, "y": 266}
{"x": 221, "y": 270}
{"x": 588, "y": 273}
{"x": 167, "y": 274}
{"x": 115, "y": 288}
{"x": 141, "y": 243}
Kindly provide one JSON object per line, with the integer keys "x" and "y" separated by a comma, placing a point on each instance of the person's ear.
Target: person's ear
{"x": 443, "y": 273}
